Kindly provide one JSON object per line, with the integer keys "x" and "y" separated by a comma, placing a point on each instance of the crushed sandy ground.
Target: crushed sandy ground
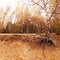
{"x": 27, "y": 47}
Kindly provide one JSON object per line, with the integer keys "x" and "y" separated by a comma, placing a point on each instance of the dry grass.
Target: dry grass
{"x": 27, "y": 47}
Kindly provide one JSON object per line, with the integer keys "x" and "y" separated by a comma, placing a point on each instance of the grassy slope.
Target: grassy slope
{"x": 27, "y": 47}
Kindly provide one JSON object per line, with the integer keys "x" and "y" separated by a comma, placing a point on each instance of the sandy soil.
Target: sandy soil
{"x": 27, "y": 47}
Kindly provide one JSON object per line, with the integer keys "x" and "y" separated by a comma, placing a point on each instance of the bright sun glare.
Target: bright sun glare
{"x": 10, "y": 3}
{"x": 13, "y": 3}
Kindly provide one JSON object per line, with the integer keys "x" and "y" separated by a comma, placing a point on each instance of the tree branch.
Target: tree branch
{"x": 54, "y": 10}
{"x": 38, "y": 4}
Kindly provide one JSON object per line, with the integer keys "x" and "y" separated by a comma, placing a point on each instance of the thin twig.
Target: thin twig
{"x": 38, "y": 4}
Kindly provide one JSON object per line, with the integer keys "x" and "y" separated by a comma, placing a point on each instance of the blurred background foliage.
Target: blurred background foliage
{"x": 27, "y": 21}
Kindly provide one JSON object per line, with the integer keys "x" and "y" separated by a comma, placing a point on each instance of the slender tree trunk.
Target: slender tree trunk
{"x": 48, "y": 30}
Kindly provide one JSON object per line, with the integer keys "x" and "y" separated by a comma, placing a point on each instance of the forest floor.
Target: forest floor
{"x": 28, "y": 47}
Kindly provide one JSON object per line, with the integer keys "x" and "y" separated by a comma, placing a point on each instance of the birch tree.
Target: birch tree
{"x": 47, "y": 10}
